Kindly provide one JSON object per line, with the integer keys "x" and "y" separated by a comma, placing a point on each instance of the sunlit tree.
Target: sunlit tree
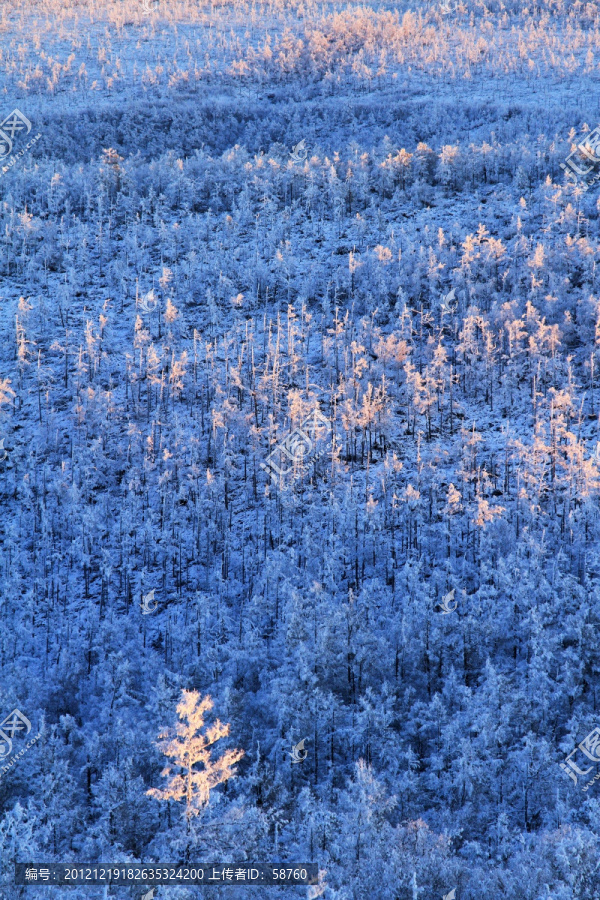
{"x": 188, "y": 748}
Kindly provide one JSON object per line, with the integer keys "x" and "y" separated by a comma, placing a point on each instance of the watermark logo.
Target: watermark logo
{"x": 149, "y": 5}
{"x": 146, "y": 601}
{"x": 22, "y": 752}
{"x": 446, "y": 10}
{"x": 317, "y": 890}
{"x": 296, "y": 752}
{"x": 450, "y": 896}
{"x": 299, "y": 152}
{"x": 590, "y": 747}
{"x": 11, "y": 128}
{"x": 297, "y": 446}
{"x": 14, "y": 722}
{"x": 149, "y": 302}
{"x": 3, "y": 451}
{"x": 583, "y": 164}
{"x": 149, "y": 895}
{"x": 13, "y": 124}
{"x": 446, "y": 601}
{"x": 446, "y": 306}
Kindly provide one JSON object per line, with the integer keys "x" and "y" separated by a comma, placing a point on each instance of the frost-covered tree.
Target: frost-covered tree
{"x": 188, "y": 748}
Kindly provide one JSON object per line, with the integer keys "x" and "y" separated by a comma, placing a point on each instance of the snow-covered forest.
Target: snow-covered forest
{"x": 216, "y": 218}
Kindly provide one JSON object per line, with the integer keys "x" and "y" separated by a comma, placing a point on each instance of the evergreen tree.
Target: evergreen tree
{"x": 188, "y": 748}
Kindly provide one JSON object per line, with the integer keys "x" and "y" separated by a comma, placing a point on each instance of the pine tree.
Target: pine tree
{"x": 188, "y": 748}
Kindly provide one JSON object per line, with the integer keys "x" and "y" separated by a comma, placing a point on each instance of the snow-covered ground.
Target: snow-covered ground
{"x": 353, "y": 208}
